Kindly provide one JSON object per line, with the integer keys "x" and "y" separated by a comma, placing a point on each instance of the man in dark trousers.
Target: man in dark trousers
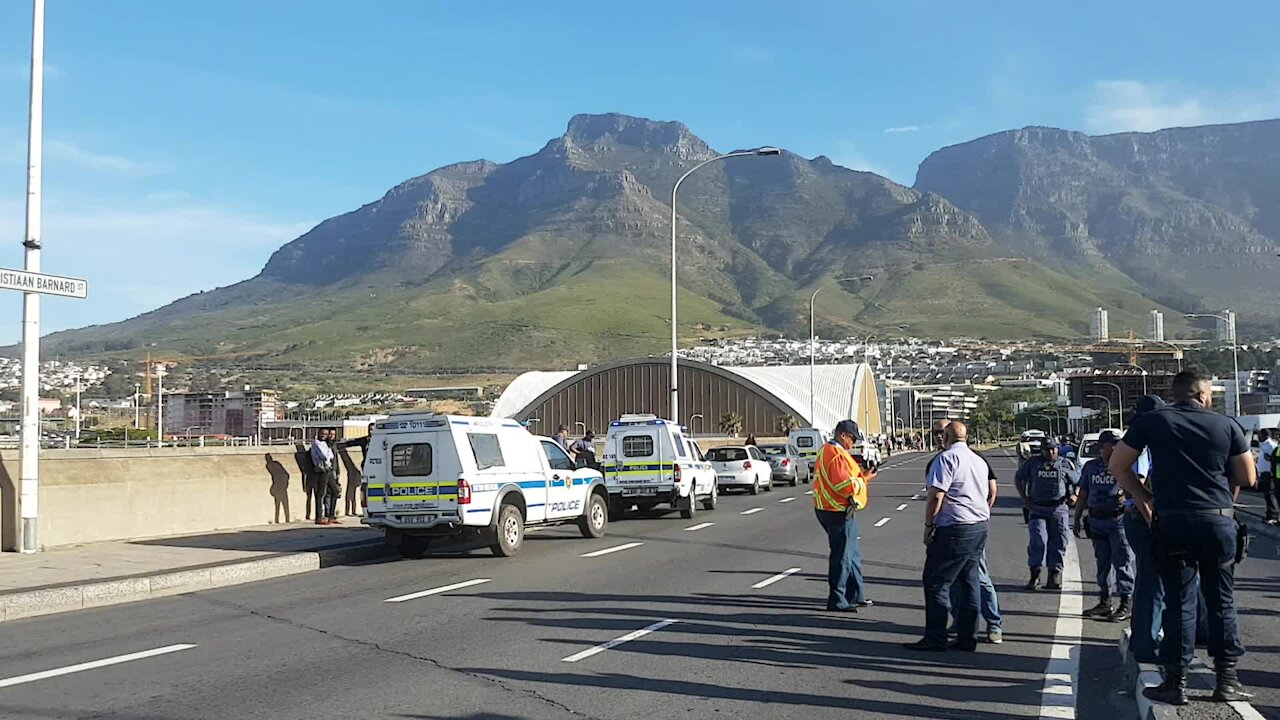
{"x": 1200, "y": 460}
{"x": 322, "y": 459}
{"x": 1047, "y": 486}
{"x": 1101, "y": 495}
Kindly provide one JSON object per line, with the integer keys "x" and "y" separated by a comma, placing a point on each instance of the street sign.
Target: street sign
{"x": 44, "y": 284}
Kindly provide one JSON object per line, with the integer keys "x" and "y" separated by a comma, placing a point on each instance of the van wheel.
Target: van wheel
{"x": 689, "y": 506}
{"x": 755, "y": 487}
{"x": 413, "y": 547}
{"x": 510, "y": 531}
{"x": 709, "y": 502}
{"x": 595, "y": 519}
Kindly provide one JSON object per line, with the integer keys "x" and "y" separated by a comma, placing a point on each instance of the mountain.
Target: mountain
{"x": 563, "y": 257}
{"x": 1187, "y": 214}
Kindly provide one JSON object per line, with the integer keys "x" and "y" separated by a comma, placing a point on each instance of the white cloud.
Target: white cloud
{"x": 848, "y": 155}
{"x": 1133, "y": 106}
{"x": 65, "y": 151}
{"x": 903, "y": 129}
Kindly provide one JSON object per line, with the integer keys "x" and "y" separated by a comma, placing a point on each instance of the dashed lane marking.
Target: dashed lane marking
{"x": 882, "y": 521}
{"x": 699, "y": 526}
{"x": 771, "y": 580}
{"x": 105, "y": 662}
{"x": 752, "y": 511}
{"x": 614, "y": 549}
{"x": 437, "y": 591}
{"x": 786, "y": 500}
{"x": 618, "y": 641}
{"x": 902, "y": 507}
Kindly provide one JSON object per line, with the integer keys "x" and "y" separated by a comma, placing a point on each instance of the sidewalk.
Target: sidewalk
{"x": 83, "y": 576}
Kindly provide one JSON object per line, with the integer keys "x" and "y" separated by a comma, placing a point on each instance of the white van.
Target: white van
{"x": 809, "y": 442}
{"x": 649, "y": 462}
{"x": 430, "y": 476}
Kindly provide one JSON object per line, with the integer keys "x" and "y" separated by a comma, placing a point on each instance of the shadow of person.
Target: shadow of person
{"x": 279, "y": 487}
{"x": 355, "y": 476}
{"x": 302, "y": 456}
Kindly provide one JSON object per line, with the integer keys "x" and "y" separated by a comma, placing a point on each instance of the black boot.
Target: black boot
{"x": 1055, "y": 580}
{"x": 1173, "y": 691}
{"x": 1034, "y": 582}
{"x": 1102, "y": 609}
{"x": 1228, "y": 688}
{"x": 1123, "y": 611}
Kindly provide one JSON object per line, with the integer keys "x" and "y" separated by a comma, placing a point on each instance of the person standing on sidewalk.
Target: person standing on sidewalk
{"x": 1101, "y": 495}
{"x": 839, "y": 492}
{"x": 335, "y": 482}
{"x": 957, "y": 513}
{"x": 1201, "y": 460}
{"x": 1047, "y": 485}
{"x": 322, "y": 459}
{"x": 1267, "y": 475}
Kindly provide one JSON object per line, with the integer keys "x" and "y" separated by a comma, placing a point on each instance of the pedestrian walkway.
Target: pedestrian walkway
{"x": 106, "y": 573}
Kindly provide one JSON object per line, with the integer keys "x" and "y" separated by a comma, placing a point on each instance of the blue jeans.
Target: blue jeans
{"x": 1148, "y": 595}
{"x": 1112, "y": 555}
{"x": 990, "y": 604}
{"x": 953, "y": 557}
{"x": 1187, "y": 546}
{"x": 844, "y": 564}
{"x": 1050, "y": 532}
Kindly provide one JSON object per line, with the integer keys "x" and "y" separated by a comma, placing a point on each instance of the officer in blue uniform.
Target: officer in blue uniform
{"x": 1101, "y": 495}
{"x": 1047, "y": 486}
{"x": 1200, "y": 460}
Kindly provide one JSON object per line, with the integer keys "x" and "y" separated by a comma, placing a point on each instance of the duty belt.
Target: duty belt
{"x": 1106, "y": 513}
{"x": 1048, "y": 503}
{"x": 1198, "y": 512}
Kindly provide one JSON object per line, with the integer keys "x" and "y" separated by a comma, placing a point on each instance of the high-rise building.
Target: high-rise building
{"x": 1155, "y": 329}
{"x": 1099, "y": 327}
{"x": 1227, "y": 328}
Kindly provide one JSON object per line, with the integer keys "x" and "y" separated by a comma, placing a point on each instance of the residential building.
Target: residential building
{"x": 1155, "y": 329}
{"x": 237, "y": 413}
{"x": 1099, "y": 328}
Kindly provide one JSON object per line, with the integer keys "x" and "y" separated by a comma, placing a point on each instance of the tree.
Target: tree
{"x": 731, "y": 424}
{"x": 787, "y": 423}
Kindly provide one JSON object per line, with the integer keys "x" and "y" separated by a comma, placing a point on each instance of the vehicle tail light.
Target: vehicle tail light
{"x": 746, "y": 464}
{"x": 364, "y": 495}
{"x": 464, "y": 492}
{"x": 676, "y": 473}
{"x": 785, "y": 462}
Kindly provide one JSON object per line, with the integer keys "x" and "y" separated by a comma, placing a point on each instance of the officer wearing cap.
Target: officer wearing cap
{"x": 839, "y": 492}
{"x": 1101, "y": 495}
{"x": 1047, "y": 486}
{"x": 1200, "y": 461}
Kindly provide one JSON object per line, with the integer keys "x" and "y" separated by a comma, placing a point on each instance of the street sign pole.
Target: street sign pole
{"x": 29, "y": 461}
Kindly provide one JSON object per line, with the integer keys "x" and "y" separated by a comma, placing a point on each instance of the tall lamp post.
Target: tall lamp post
{"x": 1235, "y": 348}
{"x": 1106, "y": 400}
{"x": 1120, "y": 398}
{"x": 813, "y": 336}
{"x": 1140, "y": 368}
{"x": 691, "y": 418}
{"x": 29, "y": 456}
{"x": 675, "y": 348}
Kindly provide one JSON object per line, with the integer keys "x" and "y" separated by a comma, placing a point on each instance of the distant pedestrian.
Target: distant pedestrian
{"x": 1102, "y": 496}
{"x": 751, "y": 440}
{"x": 1047, "y": 486}
{"x": 335, "y": 481}
{"x": 322, "y": 459}
{"x": 562, "y": 437}
{"x": 584, "y": 451}
{"x": 839, "y": 492}
{"x": 1201, "y": 460}
{"x": 1267, "y": 447}
{"x": 957, "y": 514}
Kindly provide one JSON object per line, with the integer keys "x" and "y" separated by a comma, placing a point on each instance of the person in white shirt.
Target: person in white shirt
{"x": 1267, "y": 475}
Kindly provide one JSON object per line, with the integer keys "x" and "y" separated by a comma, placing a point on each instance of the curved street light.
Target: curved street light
{"x": 1235, "y": 347}
{"x": 1106, "y": 400}
{"x": 691, "y": 419}
{"x": 675, "y": 387}
{"x": 1137, "y": 367}
{"x": 813, "y": 337}
{"x": 1119, "y": 396}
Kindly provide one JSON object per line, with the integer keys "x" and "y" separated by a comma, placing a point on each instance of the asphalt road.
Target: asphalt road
{"x": 733, "y": 612}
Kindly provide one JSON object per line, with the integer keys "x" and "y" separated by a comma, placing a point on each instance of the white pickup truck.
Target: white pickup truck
{"x": 431, "y": 476}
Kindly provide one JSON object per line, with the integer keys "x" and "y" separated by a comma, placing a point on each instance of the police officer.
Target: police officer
{"x": 1047, "y": 486}
{"x": 1101, "y": 495}
{"x": 1200, "y": 460}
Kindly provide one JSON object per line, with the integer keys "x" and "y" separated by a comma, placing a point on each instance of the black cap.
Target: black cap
{"x": 1107, "y": 436}
{"x": 848, "y": 427}
{"x": 1049, "y": 444}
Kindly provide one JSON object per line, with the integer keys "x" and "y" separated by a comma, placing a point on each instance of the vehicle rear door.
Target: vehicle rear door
{"x": 420, "y": 478}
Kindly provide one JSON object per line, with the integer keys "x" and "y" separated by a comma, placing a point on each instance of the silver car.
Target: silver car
{"x": 788, "y": 466}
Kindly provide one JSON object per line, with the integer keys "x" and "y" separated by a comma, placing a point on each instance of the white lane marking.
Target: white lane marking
{"x": 1058, "y": 697}
{"x": 916, "y": 496}
{"x": 808, "y": 492}
{"x": 105, "y": 662}
{"x": 752, "y": 511}
{"x": 902, "y": 507}
{"x": 613, "y": 549}
{"x": 616, "y": 642}
{"x": 786, "y": 500}
{"x": 437, "y": 591}
{"x": 771, "y": 580}
{"x": 881, "y": 521}
{"x": 699, "y": 526}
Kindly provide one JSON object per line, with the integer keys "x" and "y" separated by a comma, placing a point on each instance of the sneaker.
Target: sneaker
{"x": 995, "y": 636}
{"x": 865, "y": 603}
{"x": 1102, "y": 609}
{"x": 1055, "y": 581}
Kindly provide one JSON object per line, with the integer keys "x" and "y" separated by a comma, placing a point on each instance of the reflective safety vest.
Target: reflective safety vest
{"x": 837, "y": 480}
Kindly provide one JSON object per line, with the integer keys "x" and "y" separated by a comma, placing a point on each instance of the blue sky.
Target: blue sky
{"x": 188, "y": 140}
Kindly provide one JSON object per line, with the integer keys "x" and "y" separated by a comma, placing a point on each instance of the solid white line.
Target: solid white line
{"x": 437, "y": 591}
{"x": 786, "y": 500}
{"x": 699, "y": 526}
{"x": 881, "y": 521}
{"x": 902, "y": 507}
{"x": 752, "y": 511}
{"x": 613, "y": 549}
{"x": 1058, "y": 696}
{"x": 615, "y": 643}
{"x": 780, "y": 576}
{"x": 45, "y": 674}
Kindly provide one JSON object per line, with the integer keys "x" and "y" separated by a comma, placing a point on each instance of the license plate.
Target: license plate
{"x": 726, "y": 478}
{"x": 415, "y": 519}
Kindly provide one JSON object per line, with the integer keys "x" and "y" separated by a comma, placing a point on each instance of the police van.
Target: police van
{"x": 430, "y": 476}
{"x": 809, "y": 442}
{"x": 650, "y": 462}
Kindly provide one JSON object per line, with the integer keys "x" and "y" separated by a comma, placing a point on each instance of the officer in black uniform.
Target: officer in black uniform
{"x": 1047, "y": 485}
{"x": 1199, "y": 461}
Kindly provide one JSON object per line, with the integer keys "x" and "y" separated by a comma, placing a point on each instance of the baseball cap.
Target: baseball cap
{"x": 847, "y": 426}
{"x": 1107, "y": 436}
{"x": 1049, "y": 444}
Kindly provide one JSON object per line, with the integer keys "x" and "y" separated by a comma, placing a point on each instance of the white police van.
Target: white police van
{"x": 649, "y": 462}
{"x": 809, "y": 442}
{"x": 429, "y": 476}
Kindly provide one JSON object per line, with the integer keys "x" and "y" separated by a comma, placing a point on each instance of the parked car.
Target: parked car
{"x": 741, "y": 466}
{"x": 787, "y": 463}
{"x": 1029, "y": 443}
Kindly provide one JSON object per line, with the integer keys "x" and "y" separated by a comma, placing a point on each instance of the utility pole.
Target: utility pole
{"x": 160, "y": 406}
{"x": 29, "y": 459}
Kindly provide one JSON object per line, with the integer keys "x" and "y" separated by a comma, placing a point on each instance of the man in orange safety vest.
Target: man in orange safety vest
{"x": 839, "y": 491}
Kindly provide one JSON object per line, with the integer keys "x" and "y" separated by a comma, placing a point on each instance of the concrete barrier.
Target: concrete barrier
{"x": 89, "y": 495}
